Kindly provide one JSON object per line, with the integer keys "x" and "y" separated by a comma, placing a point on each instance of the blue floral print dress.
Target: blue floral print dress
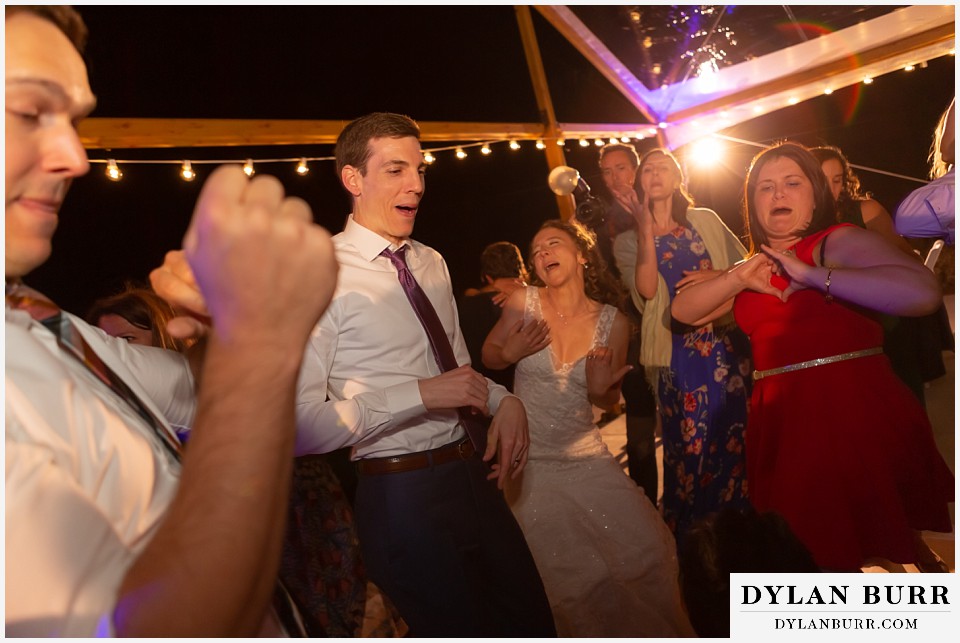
{"x": 703, "y": 402}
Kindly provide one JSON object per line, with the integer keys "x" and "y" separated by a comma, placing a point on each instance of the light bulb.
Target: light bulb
{"x": 584, "y": 142}
{"x": 302, "y": 167}
{"x": 793, "y": 100}
{"x": 429, "y": 158}
{"x": 186, "y": 171}
{"x": 485, "y": 149}
{"x": 828, "y": 91}
{"x": 909, "y": 68}
{"x": 598, "y": 142}
{"x": 867, "y": 80}
{"x": 614, "y": 140}
{"x": 561, "y": 142}
{"x": 248, "y": 167}
{"x": 624, "y": 139}
{"x": 540, "y": 144}
{"x": 461, "y": 154}
{"x": 514, "y": 145}
{"x": 113, "y": 171}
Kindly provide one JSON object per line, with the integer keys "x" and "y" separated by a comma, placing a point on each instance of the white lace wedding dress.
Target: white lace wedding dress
{"x": 607, "y": 559}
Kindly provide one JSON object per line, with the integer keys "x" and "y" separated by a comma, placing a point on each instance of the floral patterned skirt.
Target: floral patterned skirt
{"x": 703, "y": 399}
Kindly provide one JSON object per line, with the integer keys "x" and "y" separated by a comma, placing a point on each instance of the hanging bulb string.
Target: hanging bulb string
{"x": 430, "y": 154}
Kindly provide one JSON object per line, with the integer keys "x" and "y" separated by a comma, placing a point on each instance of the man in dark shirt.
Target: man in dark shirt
{"x": 502, "y": 271}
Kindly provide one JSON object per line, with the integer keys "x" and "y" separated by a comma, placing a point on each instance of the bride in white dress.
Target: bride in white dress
{"x": 607, "y": 559}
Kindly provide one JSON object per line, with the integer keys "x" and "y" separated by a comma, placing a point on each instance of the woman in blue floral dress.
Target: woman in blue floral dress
{"x": 701, "y": 374}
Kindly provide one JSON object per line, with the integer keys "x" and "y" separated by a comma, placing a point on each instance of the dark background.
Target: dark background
{"x": 434, "y": 64}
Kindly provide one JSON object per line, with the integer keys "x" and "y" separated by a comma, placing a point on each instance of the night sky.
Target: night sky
{"x": 434, "y": 64}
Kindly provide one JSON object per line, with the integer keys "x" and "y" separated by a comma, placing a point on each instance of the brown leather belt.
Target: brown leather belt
{"x": 461, "y": 450}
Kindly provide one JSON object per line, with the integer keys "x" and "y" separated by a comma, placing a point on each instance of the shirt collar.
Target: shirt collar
{"x": 368, "y": 243}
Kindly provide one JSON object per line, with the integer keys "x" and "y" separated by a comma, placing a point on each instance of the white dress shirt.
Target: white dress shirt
{"x": 87, "y": 482}
{"x": 929, "y": 211}
{"x": 359, "y": 381}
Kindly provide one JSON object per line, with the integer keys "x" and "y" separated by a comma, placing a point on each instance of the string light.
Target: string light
{"x": 561, "y": 142}
{"x": 302, "y": 168}
{"x": 514, "y": 145}
{"x": 793, "y": 100}
{"x": 429, "y": 158}
{"x": 613, "y": 140}
{"x": 248, "y": 167}
{"x": 624, "y": 139}
{"x": 540, "y": 144}
{"x": 485, "y": 149}
{"x": 909, "y": 68}
{"x": 461, "y": 154}
{"x": 598, "y": 142}
{"x": 186, "y": 171}
{"x": 113, "y": 171}
{"x": 867, "y": 80}
{"x": 828, "y": 91}
{"x": 584, "y": 142}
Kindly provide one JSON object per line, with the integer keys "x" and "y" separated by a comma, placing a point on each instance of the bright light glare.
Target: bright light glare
{"x": 186, "y": 171}
{"x": 707, "y": 152}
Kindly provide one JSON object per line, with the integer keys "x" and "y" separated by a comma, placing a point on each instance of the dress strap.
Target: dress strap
{"x": 605, "y": 322}
{"x": 531, "y": 309}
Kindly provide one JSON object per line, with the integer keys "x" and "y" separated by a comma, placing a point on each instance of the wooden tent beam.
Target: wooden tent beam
{"x": 554, "y": 153}
{"x": 137, "y": 133}
{"x": 133, "y": 133}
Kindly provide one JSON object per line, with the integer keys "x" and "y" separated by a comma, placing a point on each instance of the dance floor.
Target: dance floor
{"x": 940, "y": 397}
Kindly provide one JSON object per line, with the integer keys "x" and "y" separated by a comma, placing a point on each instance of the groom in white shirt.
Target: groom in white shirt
{"x": 436, "y": 533}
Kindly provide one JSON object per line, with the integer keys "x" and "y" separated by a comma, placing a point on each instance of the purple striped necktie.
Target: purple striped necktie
{"x": 72, "y": 342}
{"x": 439, "y": 343}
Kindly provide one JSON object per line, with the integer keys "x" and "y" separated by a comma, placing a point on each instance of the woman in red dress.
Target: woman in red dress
{"x": 836, "y": 443}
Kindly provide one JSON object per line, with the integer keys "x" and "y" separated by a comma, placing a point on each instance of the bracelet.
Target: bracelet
{"x": 826, "y": 284}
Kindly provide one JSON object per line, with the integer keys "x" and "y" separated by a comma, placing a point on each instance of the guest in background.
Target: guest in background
{"x": 501, "y": 271}
{"x": 853, "y": 205}
{"x": 618, "y": 168}
{"x": 929, "y": 211}
{"x": 700, "y": 371}
{"x": 140, "y": 316}
{"x": 903, "y": 340}
{"x": 137, "y": 315}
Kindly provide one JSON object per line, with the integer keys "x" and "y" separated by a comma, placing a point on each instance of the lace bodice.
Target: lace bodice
{"x": 555, "y": 395}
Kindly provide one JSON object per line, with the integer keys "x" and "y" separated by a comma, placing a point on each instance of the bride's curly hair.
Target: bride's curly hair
{"x": 598, "y": 283}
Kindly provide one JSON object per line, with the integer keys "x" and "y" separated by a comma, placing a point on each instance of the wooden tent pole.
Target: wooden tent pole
{"x": 538, "y": 77}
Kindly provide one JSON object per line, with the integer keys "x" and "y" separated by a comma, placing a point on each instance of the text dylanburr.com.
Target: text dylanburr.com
{"x": 848, "y": 607}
